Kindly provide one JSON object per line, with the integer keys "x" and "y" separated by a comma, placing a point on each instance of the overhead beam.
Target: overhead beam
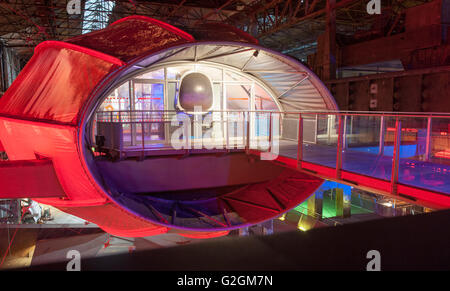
{"x": 390, "y": 48}
{"x": 329, "y": 56}
{"x": 175, "y": 9}
{"x": 215, "y": 11}
{"x": 310, "y": 14}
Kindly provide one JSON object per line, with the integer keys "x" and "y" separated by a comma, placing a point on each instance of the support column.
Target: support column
{"x": 396, "y": 156}
{"x": 315, "y": 205}
{"x": 339, "y": 147}
{"x": 132, "y": 108}
{"x": 300, "y": 142}
{"x": 329, "y": 57}
{"x": 343, "y": 202}
{"x": 381, "y": 138}
{"x": 3, "y": 74}
{"x": 428, "y": 140}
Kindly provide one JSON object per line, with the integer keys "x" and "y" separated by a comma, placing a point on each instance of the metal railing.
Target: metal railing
{"x": 400, "y": 148}
{"x": 227, "y": 128}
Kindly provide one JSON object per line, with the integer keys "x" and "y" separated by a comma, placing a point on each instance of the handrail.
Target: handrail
{"x": 321, "y": 112}
{"x": 339, "y": 136}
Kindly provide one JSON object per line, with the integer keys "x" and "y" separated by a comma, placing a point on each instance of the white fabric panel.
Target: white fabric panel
{"x": 280, "y": 82}
{"x": 237, "y": 56}
{"x": 265, "y": 62}
{"x": 277, "y": 72}
{"x": 188, "y": 54}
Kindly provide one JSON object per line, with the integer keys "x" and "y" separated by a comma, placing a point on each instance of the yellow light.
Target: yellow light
{"x": 302, "y": 228}
{"x": 282, "y": 217}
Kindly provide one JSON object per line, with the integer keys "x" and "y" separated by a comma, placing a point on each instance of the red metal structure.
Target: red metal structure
{"x": 43, "y": 114}
{"x": 46, "y": 111}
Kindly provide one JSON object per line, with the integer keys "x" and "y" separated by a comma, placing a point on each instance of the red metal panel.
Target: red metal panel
{"x": 55, "y": 83}
{"x": 291, "y": 163}
{"x": 221, "y": 32}
{"x": 204, "y": 235}
{"x": 424, "y": 197}
{"x": 263, "y": 201}
{"x": 23, "y": 140}
{"x": 116, "y": 221}
{"x": 362, "y": 180}
{"x": 435, "y": 200}
{"x": 29, "y": 179}
{"x": 287, "y": 161}
{"x": 423, "y": 15}
{"x": 39, "y": 116}
{"x": 321, "y": 170}
{"x": 133, "y": 36}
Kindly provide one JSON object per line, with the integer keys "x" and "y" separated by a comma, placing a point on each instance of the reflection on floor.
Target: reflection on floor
{"x": 19, "y": 253}
{"x": 48, "y": 244}
{"x": 36, "y": 244}
{"x": 329, "y": 206}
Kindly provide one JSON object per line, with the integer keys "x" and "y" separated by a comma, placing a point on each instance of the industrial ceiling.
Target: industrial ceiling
{"x": 289, "y": 26}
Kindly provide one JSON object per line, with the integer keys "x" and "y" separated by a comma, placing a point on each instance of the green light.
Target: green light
{"x": 329, "y": 208}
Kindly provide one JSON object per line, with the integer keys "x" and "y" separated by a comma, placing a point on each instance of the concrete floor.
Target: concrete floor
{"x": 62, "y": 218}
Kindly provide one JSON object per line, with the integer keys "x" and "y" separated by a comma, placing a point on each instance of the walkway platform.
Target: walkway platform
{"x": 403, "y": 155}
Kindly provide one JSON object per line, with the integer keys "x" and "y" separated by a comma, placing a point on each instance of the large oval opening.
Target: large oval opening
{"x": 162, "y": 159}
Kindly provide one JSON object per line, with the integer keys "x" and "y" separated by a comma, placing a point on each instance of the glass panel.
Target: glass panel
{"x": 118, "y": 100}
{"x": 218, "y": 96}
{"x": 149, "y": 132}
{"x": 238, "y": 97}
{"x": 175, "y": 73}
{"x": 158, "y": 75}
{"x": 126, "y": 132}
{"x": 236, "y": 130}
{"x": 214, "y": 74}
{"x": 149, "y": 96}
{"x": 440, "y": 152}
{"x": 440, "y": 141}
{"x": 171, "y": 95}
{"x": 263, "y": 100}
{"x": 362, "y": 152}
{"x": 153, "y": 131}
{"x": 260, "y": 130}
{"x": 231, "y": 76}
{"x": 137, "y": 134}
{"x": 289, "y": 133}
{"x": 323, "y": 151}
{"x": 416, "y": 167}
{"x": 412, "y": 150}
{"x": 262, "y": 124}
